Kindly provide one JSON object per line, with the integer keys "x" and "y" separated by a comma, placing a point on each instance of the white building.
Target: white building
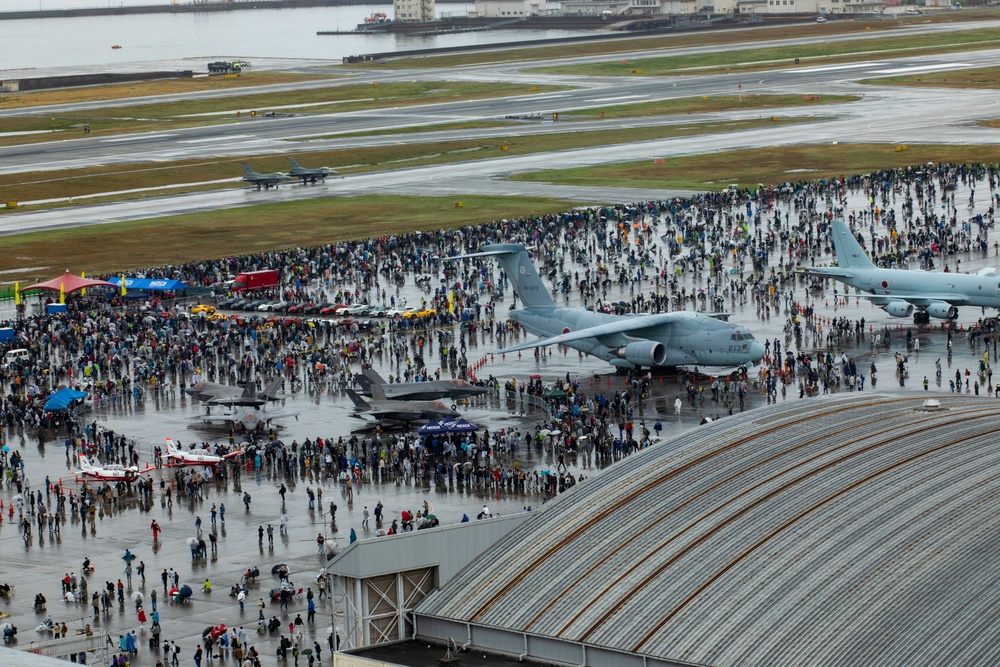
{"x": 496, "y": 9}
{"x": 613, "y": 7}
{"x": 414, "y": 10}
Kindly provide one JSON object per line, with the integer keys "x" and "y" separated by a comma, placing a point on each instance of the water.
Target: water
{"x": 278, "y": 33}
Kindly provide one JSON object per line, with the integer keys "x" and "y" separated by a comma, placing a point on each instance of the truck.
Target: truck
{"x": 254, "y": 280}
{"x": 227, "y": 66}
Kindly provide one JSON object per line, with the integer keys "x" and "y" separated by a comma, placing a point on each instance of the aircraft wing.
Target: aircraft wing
{"x": 919, "y": 300}
{"x": 232, "y": 454}
{"x": 626, "y": 325}
{"x": 826, "y": 271}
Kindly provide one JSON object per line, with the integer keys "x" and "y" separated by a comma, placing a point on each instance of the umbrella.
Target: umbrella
{"x": 192, "y": 541}
{"x": 184, "y": 592}
{"x": 431, "y": 517}
{"x": 545, "y": 431}
{"x": 536, "y": 376}
{"x": 306, "y": 651}
{"x": 137, "y": 596}
{"x": 278, "y": 568}
{"x": 555, "y": 393}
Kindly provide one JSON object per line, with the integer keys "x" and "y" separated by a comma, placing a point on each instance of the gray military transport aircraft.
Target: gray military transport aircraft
{"x": 309, "y": 175}
{"x": 662, "y": 340}
{"x": 267, "y": 180}
{"x": 418, "y": 391}
{"x": 901, "y": 292}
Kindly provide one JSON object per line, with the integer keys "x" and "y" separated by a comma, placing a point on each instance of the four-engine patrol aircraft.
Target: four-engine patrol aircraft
{"x": 901, "y": 292}
{"x": 110, "y": 473}
{"x": 662, "y": 340}
{"x": 193, "y": 457}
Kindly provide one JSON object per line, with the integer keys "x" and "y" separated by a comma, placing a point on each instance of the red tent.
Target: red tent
{"x": 69, "y": 283}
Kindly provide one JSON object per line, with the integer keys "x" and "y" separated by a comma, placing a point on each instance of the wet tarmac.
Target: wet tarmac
{"x": 39, "y": 565}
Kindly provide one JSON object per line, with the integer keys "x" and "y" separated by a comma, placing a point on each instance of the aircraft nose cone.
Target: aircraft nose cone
{"x": 756, "y": 351}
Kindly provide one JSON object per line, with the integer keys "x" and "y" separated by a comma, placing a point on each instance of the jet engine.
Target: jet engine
{"x": 942, "y": 311}
{"x": 643, "y": 353}
{"x": 898, "y": 308}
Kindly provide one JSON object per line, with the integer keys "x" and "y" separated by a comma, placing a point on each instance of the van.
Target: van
{"x": 15, "y": 357}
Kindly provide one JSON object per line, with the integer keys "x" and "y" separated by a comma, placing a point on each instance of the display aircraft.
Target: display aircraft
{"x": 245, "y": 418}
{"x": 381, "y": 409}
{"x": 109, "y": 473}
{"x": 417, "y": 391}
{"x": 194, "y": 457}
{"x": 211, "y": 393}
{"x": 267, "y": 180}
{"x": 902, "y": 292}
{"x": 662, "y": 340}
{"x": 310, "y": 175}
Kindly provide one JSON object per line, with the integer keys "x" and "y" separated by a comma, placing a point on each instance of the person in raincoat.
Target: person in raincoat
{"x": 141, "y": 615}
{"x": 354, "y": 536}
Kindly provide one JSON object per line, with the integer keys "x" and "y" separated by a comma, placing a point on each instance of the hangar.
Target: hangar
{"x": 845, "y": 530}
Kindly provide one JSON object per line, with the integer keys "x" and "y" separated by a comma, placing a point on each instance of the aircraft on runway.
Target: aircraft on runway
{"x": 194, "y": 457}
{"x": 110, "y": 473}
{"x": 662, "y": 340}
{"x": 901, "y": 292}
{"x": 417, "y": 391}
{"x": 267, "y": 180}
{"x": 381, "y": 409}
{"x": 211, "y": 393}
{"x": 310, "y": 175}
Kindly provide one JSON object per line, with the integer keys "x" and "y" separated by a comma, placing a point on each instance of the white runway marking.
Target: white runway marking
{"x": 207, "y": 139}
{"x": 916, "y": 69}
{"x": 834, "y": 68}
{"x": 132, "y": 138}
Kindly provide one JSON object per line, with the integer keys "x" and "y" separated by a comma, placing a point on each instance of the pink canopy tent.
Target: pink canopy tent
{"x": 69, "y": 283}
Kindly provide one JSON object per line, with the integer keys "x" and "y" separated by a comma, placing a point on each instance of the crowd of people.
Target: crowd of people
{"x": 736, "y": 249}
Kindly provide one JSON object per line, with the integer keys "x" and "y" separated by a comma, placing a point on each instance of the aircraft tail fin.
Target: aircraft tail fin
{"x": 247, "y": 171}
{"x": 850, "y": 254}
{"x": 170, "y": 446}
{"x": 248, "y": 391}
{"x": 84, "y": 462}
{"x": 377, "y": 392}
{"x": 520, "y": 270}
{"x": 365, "y": 382}
{"x": 295, "y": 164}
{"x": 358, "y": 401}
{"x": 271, "y": 390}
{"x": 372, "y": 375}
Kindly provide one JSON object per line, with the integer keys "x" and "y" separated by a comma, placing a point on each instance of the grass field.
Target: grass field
{"x": 678, "y": 40}
{"x": 785, "y": 55}
{"x": 26, "y": 187}
{"x": 123, "y": 246}
{"x": 159, "y": 116}
{"x": 980, "y": 77}
{"x": 118, "y": 91}
{"x": 715, "y": 171}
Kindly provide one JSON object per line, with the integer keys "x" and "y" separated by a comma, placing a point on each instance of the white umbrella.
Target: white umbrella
{"x": 545, "y": 431}
{"x": 137, "y": 596}
{"x": 192, "y": 541}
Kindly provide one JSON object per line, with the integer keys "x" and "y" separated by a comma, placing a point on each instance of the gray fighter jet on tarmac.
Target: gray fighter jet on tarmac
{"x": 902, "y": 292}
{"x": 310, "y": 175}
{"x": 267, "y": 180}
{"x": 662, "y": 340}
{"x": 211, "y": 393}
{"x": 381, "y": 409}
{"x": 418, "y": 391}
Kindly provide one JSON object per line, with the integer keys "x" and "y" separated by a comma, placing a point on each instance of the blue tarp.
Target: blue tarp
{"x": 63, "y": 398}
{"x": 149, "y": 284}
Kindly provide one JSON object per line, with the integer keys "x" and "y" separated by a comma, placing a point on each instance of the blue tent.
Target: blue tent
{"x": 459, "y": 425}
{"x": 63, "y": 399}
{"x": 432, "y": 428}
{"x": 149, "y": 284}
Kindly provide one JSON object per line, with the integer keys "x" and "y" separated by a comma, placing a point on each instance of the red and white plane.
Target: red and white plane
{"x": 110, "y": 473}
{"x": 194, "y": 457}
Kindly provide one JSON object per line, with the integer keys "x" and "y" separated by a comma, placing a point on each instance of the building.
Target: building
{"x": 509, "y": 8}
{"x": 846, "y": 530}
{"x": 611, "y": 8}
{"x": 414, "y": 10}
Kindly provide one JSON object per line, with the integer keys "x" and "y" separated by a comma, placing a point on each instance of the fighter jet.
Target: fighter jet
{"x": 109, "y": 473}
{"x": 902, "y": 293}
{"x": 267, "y": 180}
{"x": 381, "y": 409}
{"x": 245, "y": 418}
{"x": 310, "y": 175}
{"x": 194, "y": 457}
{"x": 211, "y": 393}
{"x": 663, "y": 340}
{"x": 418, "y": 391}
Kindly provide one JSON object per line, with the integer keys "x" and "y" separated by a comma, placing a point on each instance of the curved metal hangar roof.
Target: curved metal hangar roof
{"x": 845, "y": 531}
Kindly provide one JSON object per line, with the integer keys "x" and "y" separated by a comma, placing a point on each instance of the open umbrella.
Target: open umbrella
{"x": 555, "y": 393}
{"x": 192, "y": 541}
{"x": 184, "y": 592}
{"x": 279, "y": 568}
{"x": 137, "y": 596}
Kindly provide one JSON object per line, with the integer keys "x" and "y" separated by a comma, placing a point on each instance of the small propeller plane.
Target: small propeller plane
{"x": 194, "y": 457}
{"x": 110, "y": 473}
